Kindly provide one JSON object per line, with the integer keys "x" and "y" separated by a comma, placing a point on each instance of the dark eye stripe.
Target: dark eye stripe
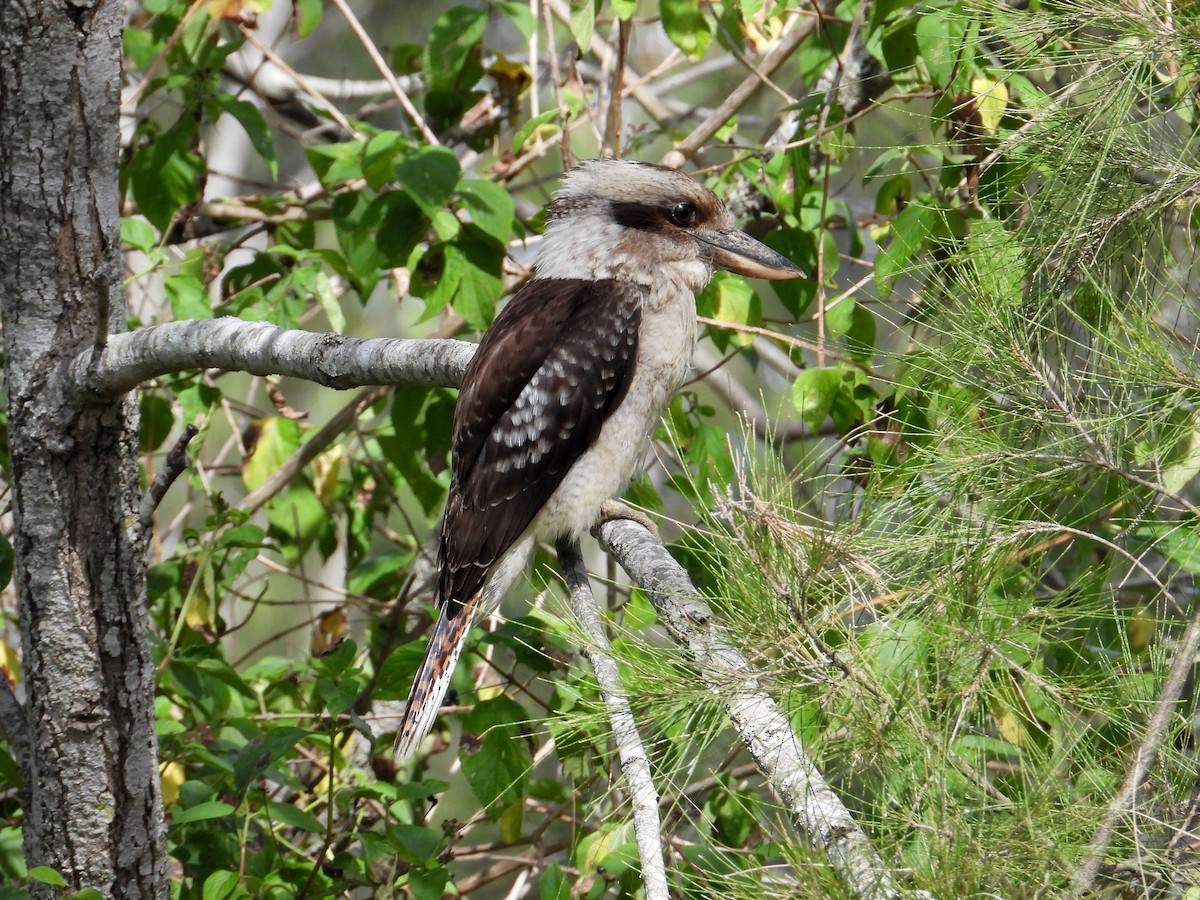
{"x": 653, "y": 218}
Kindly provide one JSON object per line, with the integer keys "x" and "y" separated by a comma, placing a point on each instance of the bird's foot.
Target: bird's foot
{"x": 616, "y": 509}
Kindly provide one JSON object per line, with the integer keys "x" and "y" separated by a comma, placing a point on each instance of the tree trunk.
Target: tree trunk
{"x": 93, "y": 809}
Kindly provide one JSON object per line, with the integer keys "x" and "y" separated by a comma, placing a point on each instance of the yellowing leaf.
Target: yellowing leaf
{"x": 278, "y": 439}
{"x": 991, "y": 98}
{"x": 1141, "y": 628}
{"x": 1011, "y": 729}
{"x": 325, "y": 469}
{"x": 171, "y": 775}
{"x": 200, "y": 611}
{"x": 734, "y": 304}
{"x": 10, "y": 662}
{"x": 1185, "y": 464}
{"x": 329, "y": 630}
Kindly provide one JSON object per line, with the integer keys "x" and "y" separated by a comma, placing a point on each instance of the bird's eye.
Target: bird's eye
{"x": 684, "y": 215}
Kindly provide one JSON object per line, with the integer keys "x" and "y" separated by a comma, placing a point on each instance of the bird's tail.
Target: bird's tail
{"x": 433, "y": 679}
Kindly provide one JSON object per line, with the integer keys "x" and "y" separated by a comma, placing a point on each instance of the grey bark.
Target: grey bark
{"x": 92, "y": 809}
{"x": 261, "y": 349}
{"x": 635, "y": 763}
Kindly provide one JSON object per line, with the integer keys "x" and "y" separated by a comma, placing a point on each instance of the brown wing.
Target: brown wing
{"x": 552, "y": 368}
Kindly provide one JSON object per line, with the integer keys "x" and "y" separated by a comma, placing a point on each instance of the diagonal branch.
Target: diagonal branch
{"x": 794, "y": 33}
{"x": 1124, "y": 804}
{"x": 815, "y": 808}
{"x": 634, "y": 761}
{"x": 261, "y": 349}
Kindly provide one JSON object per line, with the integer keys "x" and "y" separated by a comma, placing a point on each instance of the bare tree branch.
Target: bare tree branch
{"x": 174, "y": 466}
{"x": 634, "y": 762}
{"x": 763, "y": 727}
{"x": 1125, "y": 801}
{"x": 794, "y": 33}
{"x": 261, "y": 349}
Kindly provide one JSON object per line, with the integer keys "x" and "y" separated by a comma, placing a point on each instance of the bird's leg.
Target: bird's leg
{"x": 617, "y": 509}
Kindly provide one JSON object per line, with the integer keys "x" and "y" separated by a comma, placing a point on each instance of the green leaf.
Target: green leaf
{"x": 939, "y": 35}
{"x": 416, "y": 844}
{"x": 47, "y": 875}
{"x": 166, "y": 175}
{"x": 429, "y": 175}
{"x": 490, "y": 206}
{"x": 202, "y": 812}
{"x": 249, "y": 117}
{"x": 299, "y": 516}
{"x": 498, "y": 769}
{"x": 337, "y": 163}
{"x": 261, "y": 753}
{"x": 554, "y": 884}
{"x": 188, "y": 297}
{"x": 526, "y": 131}
{"x": 839, "y": 317}
{"x": 686, "y": 26}
{"x": 733, "y": 301}
{"x": 471, "y": 280}
{"x": 157, "y": 418}
{"x": 429, "y": 884}
{"x": 223, "y": 885}
{"x": 451, "y": 41}
{"x": 999, "y": 261}
{"x": 401, "y": 228}
{"x": 6, "y": 562}
{"x": 519, "y": 13}
{"x": 798, "y": 246}
{"x": 813, "y": 394}
{"x": 308, "y": 15}
{"x": 909, "y": 231}
{"x": 583, "y": 23}
{"x": 138, "y": 234}
{"x": 294, "y": 818}
{"x": 398, "y": 670}
{"x": 624, "y": 9}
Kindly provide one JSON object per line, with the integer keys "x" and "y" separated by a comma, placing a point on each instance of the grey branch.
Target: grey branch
{"x": 174, "y": 465}
{"x": 635, "y": 763}
{"x": 1124, "y": 804}
{"x": 763, "y": 727}
{"x": 262, "y": 349}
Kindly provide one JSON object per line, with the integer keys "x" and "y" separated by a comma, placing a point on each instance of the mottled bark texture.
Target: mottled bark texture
{"x": 93, "y": 810}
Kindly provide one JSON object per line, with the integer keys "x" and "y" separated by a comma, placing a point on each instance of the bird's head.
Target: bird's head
{"x": 616, "y": 218}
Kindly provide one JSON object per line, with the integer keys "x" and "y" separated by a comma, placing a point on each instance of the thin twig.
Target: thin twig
{"x": 635, "y": 764}
{"x": 793, "y": 34}
{"x": 386, "y": 71}
{"x": 612, "y": 127}
{"x": 649, "y": 100}
{"x": 174, "y": 466}
{"x": 320, "y": 100}
{"x": 1144, "y": 759}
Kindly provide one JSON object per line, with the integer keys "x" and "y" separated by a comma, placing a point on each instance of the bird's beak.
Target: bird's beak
{"x": 740, "y": 253}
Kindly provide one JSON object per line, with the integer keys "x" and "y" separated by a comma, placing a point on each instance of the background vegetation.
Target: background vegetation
{"x": 942, "y": 492}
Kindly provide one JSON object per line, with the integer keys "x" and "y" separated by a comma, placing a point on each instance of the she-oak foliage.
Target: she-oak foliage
{"x": 955, "y": 530}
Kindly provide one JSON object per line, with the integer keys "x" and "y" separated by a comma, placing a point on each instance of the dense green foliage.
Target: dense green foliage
{"x": 959, "y": 533}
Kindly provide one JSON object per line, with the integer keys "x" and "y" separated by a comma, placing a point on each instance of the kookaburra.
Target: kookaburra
{"x": 558, "y": 405}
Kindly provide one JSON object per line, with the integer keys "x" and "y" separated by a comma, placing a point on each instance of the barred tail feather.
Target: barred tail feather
{"x": 433, "y": 679}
